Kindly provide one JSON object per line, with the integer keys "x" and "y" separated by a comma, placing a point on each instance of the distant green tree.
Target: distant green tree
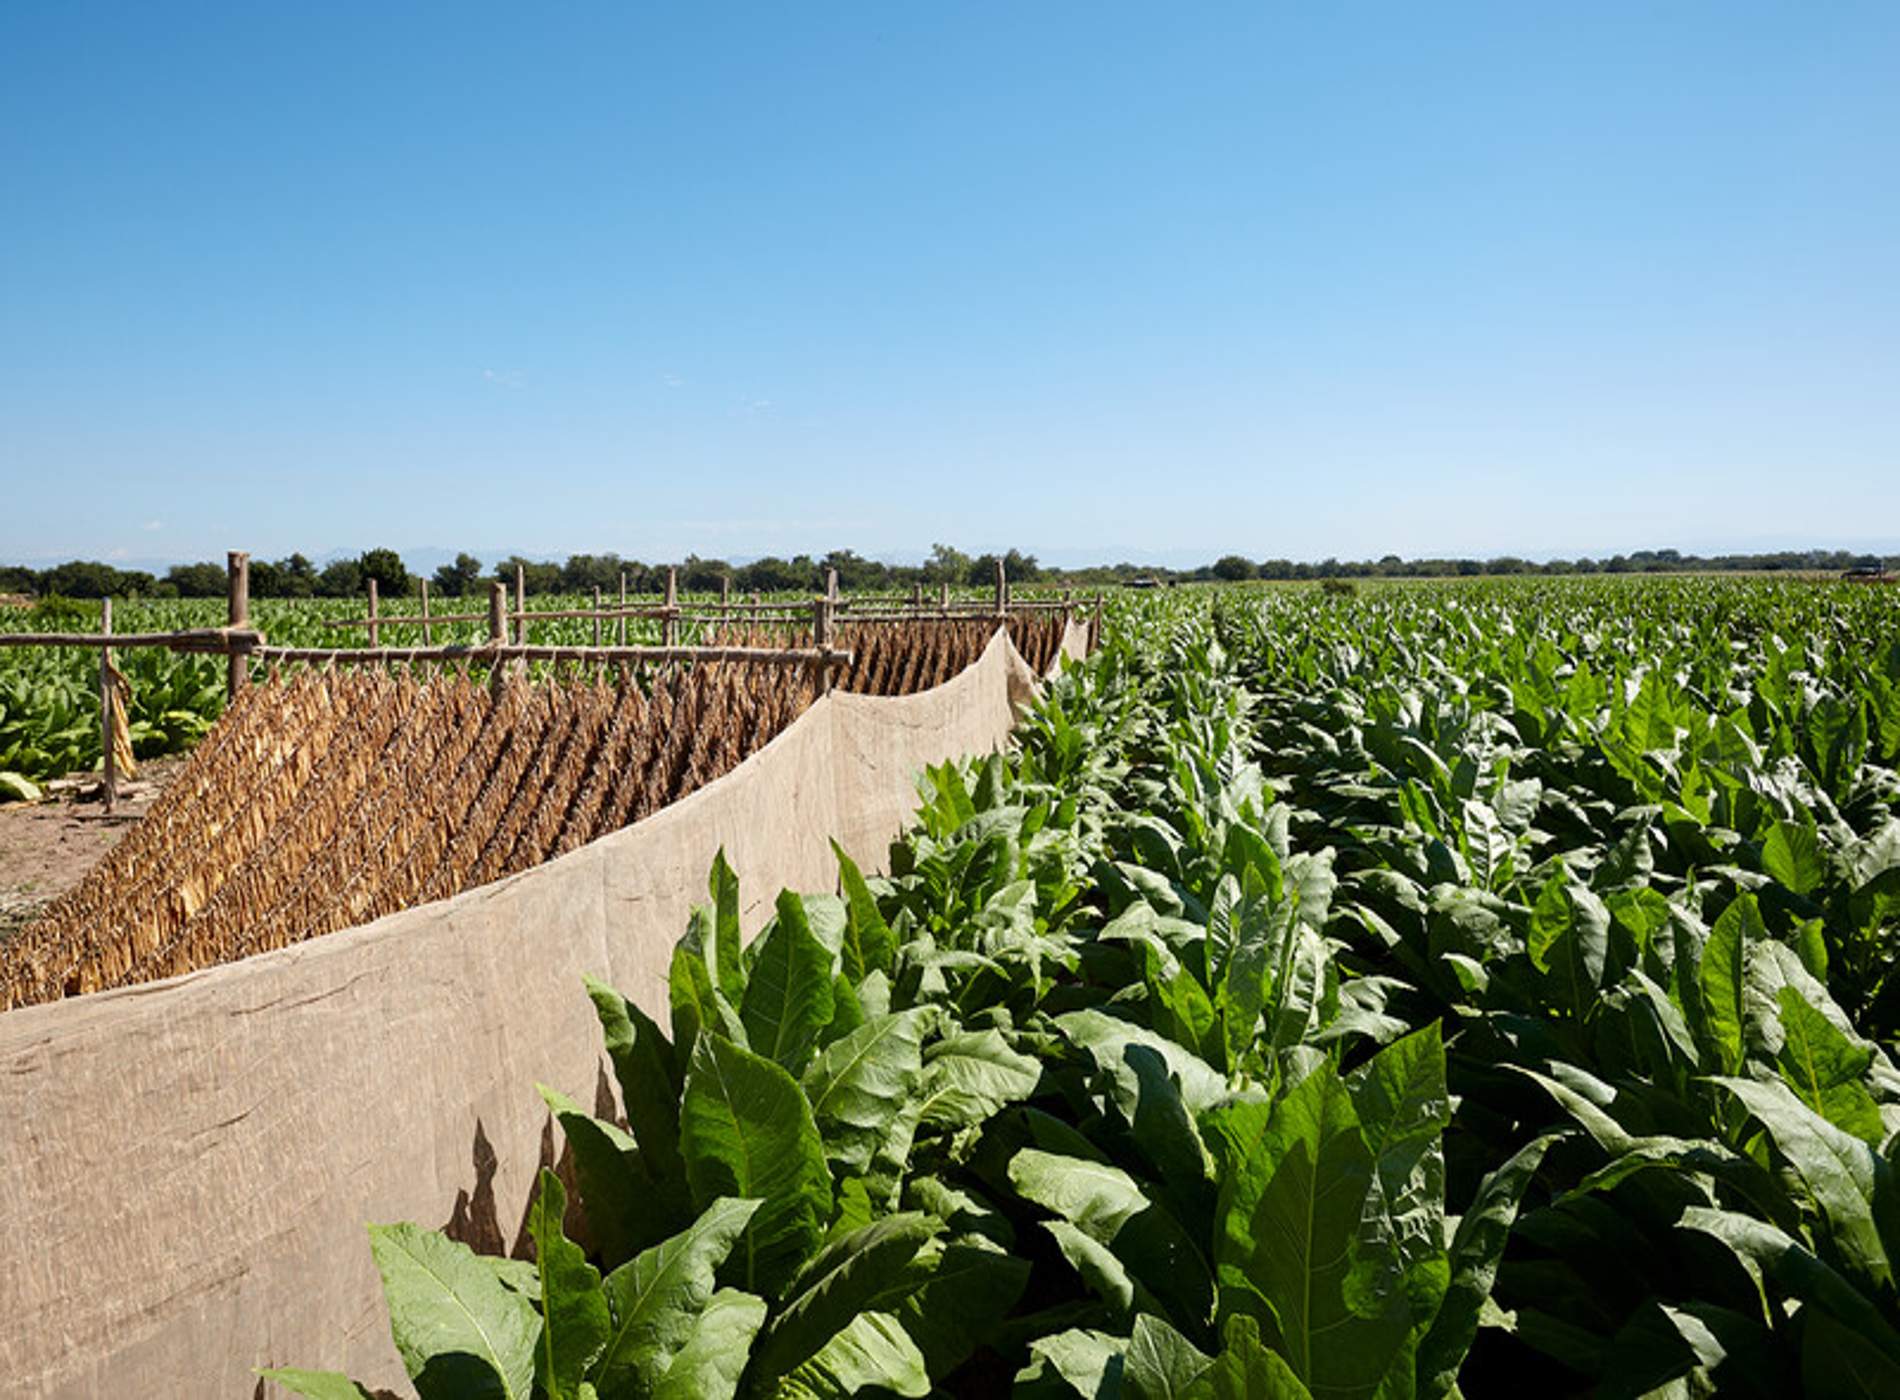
{"x": 1233, "y": 568}
{"x": 703, "y": 575}
{"x": 770, "y": 575}
{"x": 297, "y": 577}
{"x": 81, "y": 578}
{"x": 584, "y": 572}
{"x": 459, "y": 579}
{"x": 1017, "y": 568}
{"x": 946, "y": 565}
{"x": 342, "y": 578}
{"x": 855, "y": 572}
{"x": 537, "y": 576}
{"x": 1021, "y": 568}
{"x": 387, "y": 568}
{"x": 199, "y": 580}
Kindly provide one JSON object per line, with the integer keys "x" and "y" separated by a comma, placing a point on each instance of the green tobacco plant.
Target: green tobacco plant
{"x": 1455, "y": 990}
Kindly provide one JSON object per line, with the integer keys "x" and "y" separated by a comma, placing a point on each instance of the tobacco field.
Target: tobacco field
{"x": 1478, "y": 990}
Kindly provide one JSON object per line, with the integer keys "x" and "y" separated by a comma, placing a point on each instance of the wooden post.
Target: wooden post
{"x": 917, "y": 596}
{"x": 237, "y": 613}
{"x": 831, "y": 584}
{"x": 521, "y": 605}
{"x": 620, "y": 627}
{"x": 374, "y": 630}
{"x": 110, "y": 783}
{"x": 427, "y": 639}
{"x": 943, "y": 599}
{"x": 671, "y": 627}
{"x": 725, "y": 591}
{"x": 1002, "y": 590}
{"x": 1095, "y": 632}
{"x": 497, "y": 628}
{"x": 596, "y": 614}
{"x": 822, "y": 635}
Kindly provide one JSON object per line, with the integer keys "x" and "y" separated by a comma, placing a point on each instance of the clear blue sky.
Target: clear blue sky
{"x": 1292, "y": 279}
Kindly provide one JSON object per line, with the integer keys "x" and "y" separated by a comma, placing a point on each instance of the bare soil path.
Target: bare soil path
{"x": 47, "y": 847}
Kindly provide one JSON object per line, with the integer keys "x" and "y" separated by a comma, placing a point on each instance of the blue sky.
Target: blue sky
{"x": 1094, "y": 279}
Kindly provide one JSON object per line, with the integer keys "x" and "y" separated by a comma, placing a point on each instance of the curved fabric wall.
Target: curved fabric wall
{"x": 186, "y": 1166}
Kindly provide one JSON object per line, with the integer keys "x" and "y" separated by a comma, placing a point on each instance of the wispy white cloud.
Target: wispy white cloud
{"x": 152, "y": 526}
{"x": 672, "y": 381}
{"x": 505, "y": 378}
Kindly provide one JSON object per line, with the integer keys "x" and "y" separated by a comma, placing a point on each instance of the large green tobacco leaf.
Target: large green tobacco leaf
{"x": 1791, "y": 852}
{"x": 1842, "y": 1174}
{"x": 969, "y": 1076}
{"x": 1477, "y": 1247}
{"x": 461, "y": 1334}
{"x": 1161, "y": 1364}
{"x": 613, "y": 1180}
{"x": 1826, "y": 1070}
{"x": 956, "y": 1297}
{"x": 746, "y": 1130}
{"x": 1794, "y": 1269}
{"x": 872, "y": 1352}
{"x": 725, "y": 949}
{"x": 713, "y": 1359}
{"x": 1109, "y": 1041}
{"x": 650, "y": 1078}
{"x": 574, "y": 1310}
{"x": 859, "y": 1082}
{"x": 1110, "y": 1207}
{"x": 1403, "y": 1108}
{"x": 658, "y": 1298}
{"x": 1076, "y": 1362}
{"x": 1724, "y": 975}
{"x": 869, "y": 945}
{"x": 788, "y": 999}
{"x": 866, "y": 1270}
{"x": 1569, "y": 941}
{"x": 1291, "y": 1250}
{"x": 317, "y": 1385}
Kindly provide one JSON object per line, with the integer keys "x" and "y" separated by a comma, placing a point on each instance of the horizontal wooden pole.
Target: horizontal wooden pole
{"x": 515, "y": 651}
{"x": 217, "y": 640}
{"x": 711, "y": 611}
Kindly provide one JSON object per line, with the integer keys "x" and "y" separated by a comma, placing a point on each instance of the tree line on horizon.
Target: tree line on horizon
{"x": 296, "y": 576}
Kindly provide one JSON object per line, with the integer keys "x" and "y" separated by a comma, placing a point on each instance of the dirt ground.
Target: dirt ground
{"x": 46, "y": 847}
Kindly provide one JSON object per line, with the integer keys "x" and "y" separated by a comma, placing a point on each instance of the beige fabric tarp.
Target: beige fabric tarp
{"x": 186, "y": 1167}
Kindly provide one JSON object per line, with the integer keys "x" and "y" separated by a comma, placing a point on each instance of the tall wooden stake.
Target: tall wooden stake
{"x": 943, "y": 599}
{"x": 596, "y": 614}
{"x": 725, "y": 590}
{"x": 1002, "y": 590}
{"x": 374, "y": 630}
{"x": 237, "y": 614}
{"x": 521, "y": 605}
{"x": 497, "y": 628}
{"x": 672, "y": 624}
{"x": 427, "y": 639}
{"x": 620, "y": 627}
{"x": 111, "y": 776}
{"x": 822, "y": 635}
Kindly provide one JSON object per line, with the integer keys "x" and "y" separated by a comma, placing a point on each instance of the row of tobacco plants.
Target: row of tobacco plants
{"x": 1471, "y": 990}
